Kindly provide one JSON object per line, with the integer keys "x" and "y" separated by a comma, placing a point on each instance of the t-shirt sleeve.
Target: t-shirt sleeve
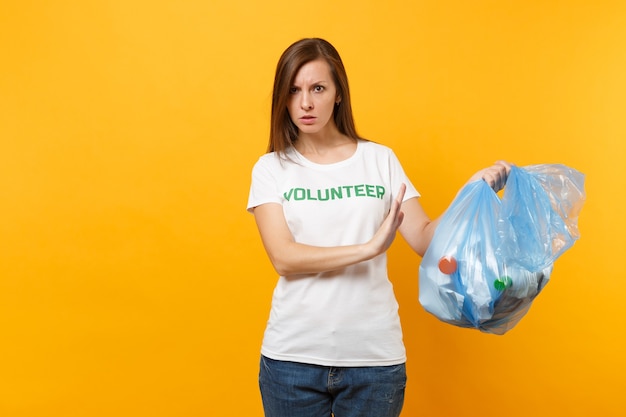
{"x": 398, "y": 177}
{"x": 263, "y": 188}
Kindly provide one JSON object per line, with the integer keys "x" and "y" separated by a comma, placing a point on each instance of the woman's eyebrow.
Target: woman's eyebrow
{"x": 313, "y": 82}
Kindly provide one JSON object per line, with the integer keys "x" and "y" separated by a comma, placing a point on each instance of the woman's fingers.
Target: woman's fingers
{"x": 496, "y": 175}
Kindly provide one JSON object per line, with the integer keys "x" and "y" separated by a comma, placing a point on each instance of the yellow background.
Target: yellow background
{"x": 133, "y": 282}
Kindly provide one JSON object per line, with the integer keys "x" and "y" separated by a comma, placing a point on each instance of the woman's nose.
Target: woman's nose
{"x": 306, "y": 103}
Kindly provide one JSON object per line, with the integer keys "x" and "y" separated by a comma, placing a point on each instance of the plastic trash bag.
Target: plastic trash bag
{"x": 489, "y": 258}
{"x": 539, "y": 215}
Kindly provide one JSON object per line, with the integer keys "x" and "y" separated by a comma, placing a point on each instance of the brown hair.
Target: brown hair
{"x": 283, "y": 132}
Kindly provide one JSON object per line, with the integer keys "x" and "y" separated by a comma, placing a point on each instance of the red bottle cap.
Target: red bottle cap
{"x": 447, "y": 265}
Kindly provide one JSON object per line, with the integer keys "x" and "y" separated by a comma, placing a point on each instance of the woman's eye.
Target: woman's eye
{"x": 318, "y": 88}
{"x": 293, "y": 90}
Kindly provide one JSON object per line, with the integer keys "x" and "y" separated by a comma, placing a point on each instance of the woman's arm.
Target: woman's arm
{"x": 290, "y": 258}
{"x": 417, "y": 228}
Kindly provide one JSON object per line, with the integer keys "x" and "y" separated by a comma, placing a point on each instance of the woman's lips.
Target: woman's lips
{"x": 307, "y": 120}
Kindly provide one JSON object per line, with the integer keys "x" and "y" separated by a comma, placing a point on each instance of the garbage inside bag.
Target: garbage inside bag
{"x": 489, "y": 258}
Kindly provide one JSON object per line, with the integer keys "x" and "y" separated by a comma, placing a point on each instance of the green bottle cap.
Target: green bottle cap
{"x": 503, "y": 283}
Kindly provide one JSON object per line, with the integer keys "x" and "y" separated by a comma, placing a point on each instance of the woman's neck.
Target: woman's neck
{"x": 327, "y": 149}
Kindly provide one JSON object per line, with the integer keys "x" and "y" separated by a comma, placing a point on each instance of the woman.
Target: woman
{"x": 327, "y": 204}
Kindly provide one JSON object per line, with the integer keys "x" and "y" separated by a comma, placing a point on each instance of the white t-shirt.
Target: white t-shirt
{"x": 347, "y": 317}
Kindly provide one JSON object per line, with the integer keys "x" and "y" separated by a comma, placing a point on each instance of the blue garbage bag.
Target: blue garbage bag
{"x": 490, "y": 257}
{"x": 539, "y": 216}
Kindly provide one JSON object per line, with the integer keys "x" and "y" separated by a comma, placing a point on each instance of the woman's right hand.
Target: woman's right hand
{"x": 386, "y": 233}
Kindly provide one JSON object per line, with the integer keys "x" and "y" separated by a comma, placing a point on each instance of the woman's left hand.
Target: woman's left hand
{"x": 494, "y": 175}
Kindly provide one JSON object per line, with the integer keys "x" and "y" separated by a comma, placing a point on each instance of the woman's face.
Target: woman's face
{"x": 312, "y": 98}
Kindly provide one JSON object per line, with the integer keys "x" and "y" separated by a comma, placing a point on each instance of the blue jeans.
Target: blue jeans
{"x": 291, "y": 389}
